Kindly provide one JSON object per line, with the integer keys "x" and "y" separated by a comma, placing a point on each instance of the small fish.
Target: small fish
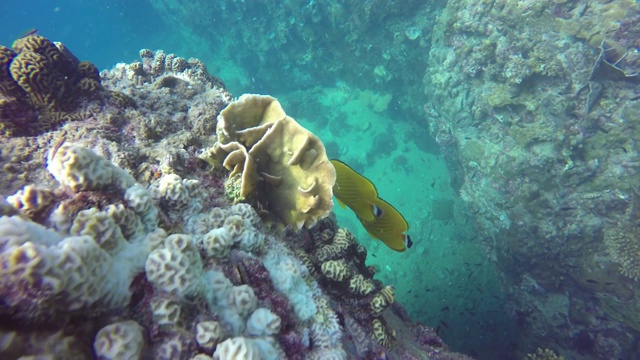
{"x": 444, "y": 324}
{"x": 609, "y": 283}
{"x": 471, "y": 313}
{"x": 479, "y": 289}
{"x": 29, "y": 33}
{"x": 433, "y": 184}
{"x": 470, "y": 273}
{"x": 438, "y": 330}
{"x": 584, "y": 10}
{"x": 591, "y": 281}
{"x": 446, "y": 308}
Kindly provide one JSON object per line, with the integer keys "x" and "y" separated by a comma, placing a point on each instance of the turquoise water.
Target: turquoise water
{"x": 107, "y": 32}
{"x": 504, "y": 131}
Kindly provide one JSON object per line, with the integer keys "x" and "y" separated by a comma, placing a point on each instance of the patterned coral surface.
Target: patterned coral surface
{"x": 117, "y": 241}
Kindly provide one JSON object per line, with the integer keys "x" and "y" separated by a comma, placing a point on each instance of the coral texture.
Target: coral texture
{"x": 283, "y": 166}
{"x": 42, "y": 84}
{"x": 117, "y": 242}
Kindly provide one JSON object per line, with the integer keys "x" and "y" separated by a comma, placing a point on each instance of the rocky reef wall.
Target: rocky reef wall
{"x": 535, "y": 105}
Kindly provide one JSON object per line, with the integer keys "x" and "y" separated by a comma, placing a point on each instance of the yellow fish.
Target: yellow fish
{"x": 381, "y": 220}
{"x": 389, "y": 227}
{"x": 354, "y": 190}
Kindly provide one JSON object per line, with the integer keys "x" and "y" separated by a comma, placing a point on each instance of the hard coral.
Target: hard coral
{"x": 338, "y": 262}
{"x": 622, "y": 243}
{"x": 284, "y": 167}
{"x": 45, "y": 77}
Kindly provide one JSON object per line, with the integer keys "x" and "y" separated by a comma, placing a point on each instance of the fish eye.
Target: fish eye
{"x": 377, "y": 212}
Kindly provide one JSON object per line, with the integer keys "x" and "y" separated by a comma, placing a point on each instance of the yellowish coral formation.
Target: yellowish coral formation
{"x": 360, "y": 286}
{"x": 544, "y": 354}
{"x": 378, "y": 303}
{"x": 381, "y": 334}
{"x": 121, "y": 340}
{"x": 46, "y": 79}
{"x": 284, "y": 167}
{"x": 336, "y": 270}
{"x": 622, "y": 243}
{"x": 209, "y": 334}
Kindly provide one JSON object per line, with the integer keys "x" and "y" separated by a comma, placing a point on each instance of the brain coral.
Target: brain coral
{"x": 41, "y": 85}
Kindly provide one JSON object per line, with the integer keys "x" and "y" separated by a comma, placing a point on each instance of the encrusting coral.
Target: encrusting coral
{"x": 283, "y": 167}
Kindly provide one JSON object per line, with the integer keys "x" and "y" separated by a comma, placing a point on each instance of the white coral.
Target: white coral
{"x": 70, "y": 273}
{"x": 174, "y": 191}
{"x": 217, "y": 242}
{"x": 287, "y": 275}
{"x": 120, "y": 341}
{"x": 243, "y": 300}
{"x": 81, "y": 169}
{"x": 101, "y": 227}
{"x": 166, "y": 313}
{"x": 247, "y": 212}
{"x": 237, "y": 348}
{"x": 139, "y": 199}
{"x": 31, "y": 198}
{"x": 172, "y": 271}
{"x": 208, "y": 334}
{"x": 263, "y": 322}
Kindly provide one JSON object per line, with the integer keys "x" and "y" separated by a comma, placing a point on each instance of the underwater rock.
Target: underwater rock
{"x": 125, "y": 246}
{"x": 530, "y": 118}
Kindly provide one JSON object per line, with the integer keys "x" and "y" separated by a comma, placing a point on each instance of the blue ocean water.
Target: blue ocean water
{"x": 104, "y": 32}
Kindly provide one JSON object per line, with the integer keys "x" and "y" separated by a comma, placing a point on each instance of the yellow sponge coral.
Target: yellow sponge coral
{"x": 284, "y": 166}
{"x": 622, "y": 243}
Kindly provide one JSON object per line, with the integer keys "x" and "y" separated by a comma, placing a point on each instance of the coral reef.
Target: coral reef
{"x": 542, "y": 143}
{"x": 118, "y": 242}
{"x": 43, "y": 85}
{"x": 337, "y": 261}
{"x": 283, "y": 167}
